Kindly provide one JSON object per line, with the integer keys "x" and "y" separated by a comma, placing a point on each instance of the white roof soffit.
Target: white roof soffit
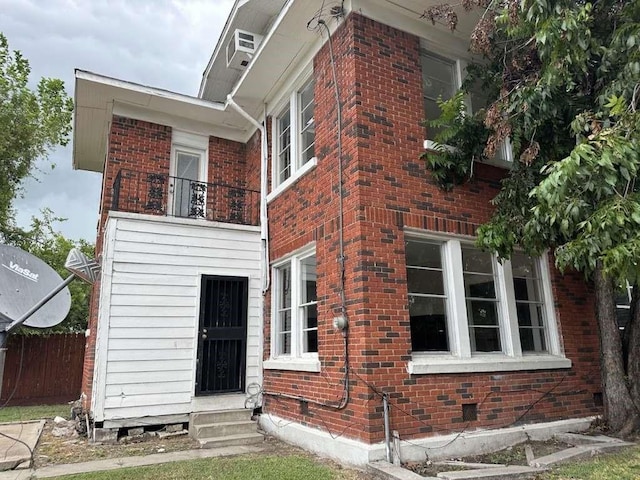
{"x": 97, "y": 97}
{"x": 253, "y": 16}
{"x": 286, "y": 44}
{"x": 288, "y": 41}
{"x": 408, "y": 15}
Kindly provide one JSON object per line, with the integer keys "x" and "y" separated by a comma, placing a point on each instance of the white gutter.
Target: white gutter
{"x": 264, "y": 228}
{"x": 146, "y": 90}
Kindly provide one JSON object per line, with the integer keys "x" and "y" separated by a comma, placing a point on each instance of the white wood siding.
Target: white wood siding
{"x": 149, "y": 311}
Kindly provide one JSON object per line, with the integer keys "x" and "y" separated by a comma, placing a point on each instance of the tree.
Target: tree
{"x": 567, "y": 82}
{"x": 52, "y": 247}
{"x": 32, "y": 122}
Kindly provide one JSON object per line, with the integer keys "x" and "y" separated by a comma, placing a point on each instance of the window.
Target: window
{"x": 284, "y": 146}
{"x": 481, "y": 300}
{"x": 527, "y": 287}
{"x": 294, "y": 134}
{"x": 469, "y": 312}
{"x": 295, "y": 325}
{"x": 307, "y": 123}
{"x": 283, "y": 309}
{"x": 427, "y": 299}
{"x": 623, "y": 305}
{"x": 441, "y": 79}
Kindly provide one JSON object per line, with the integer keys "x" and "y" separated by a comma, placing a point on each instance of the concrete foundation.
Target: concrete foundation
{"x": 360, "y": 454}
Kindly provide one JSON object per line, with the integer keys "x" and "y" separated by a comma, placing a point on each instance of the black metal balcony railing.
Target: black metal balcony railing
{"x": 158, "y": 194}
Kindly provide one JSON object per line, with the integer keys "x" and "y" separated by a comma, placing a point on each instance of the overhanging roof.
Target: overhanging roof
{"x": 287, "y": 43}
{"x": 97, "y": 95}
{"x": 254, "y": 16}
{"x": 288, "y": 40}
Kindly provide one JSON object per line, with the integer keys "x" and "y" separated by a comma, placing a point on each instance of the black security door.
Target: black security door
{"x": 222, "y": 335}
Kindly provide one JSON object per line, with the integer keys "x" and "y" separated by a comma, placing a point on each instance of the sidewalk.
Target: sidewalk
{"x": 116, "y": 463}
{"x": 17, "y": 439}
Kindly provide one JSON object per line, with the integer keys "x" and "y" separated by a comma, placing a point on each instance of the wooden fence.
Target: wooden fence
{"x": 41, "y": 370}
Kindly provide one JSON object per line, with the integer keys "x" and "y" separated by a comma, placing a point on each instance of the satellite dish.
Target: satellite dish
{"x": 24, "y": 281}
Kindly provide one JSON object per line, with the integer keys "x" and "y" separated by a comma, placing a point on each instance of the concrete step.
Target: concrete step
{"x": 231, "y": 440}
{"x": 205, "y": 418}
{"x": 223, "y": 429}
{"x": 501, "y": 473}
{"x": 576, "y": 439}
{"x": 577, "y": 453}
{"x": 388, "y": 471}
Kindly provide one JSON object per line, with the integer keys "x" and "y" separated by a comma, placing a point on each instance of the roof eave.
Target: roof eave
{"x": 96, "y": 95}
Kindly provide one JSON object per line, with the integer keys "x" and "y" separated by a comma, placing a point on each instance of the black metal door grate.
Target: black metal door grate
{"x": 222, "y": 335}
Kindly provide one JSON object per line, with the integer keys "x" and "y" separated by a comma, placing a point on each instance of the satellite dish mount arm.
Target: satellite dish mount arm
{"x": 16, "y": 323}
{"x": 80, "y": 266}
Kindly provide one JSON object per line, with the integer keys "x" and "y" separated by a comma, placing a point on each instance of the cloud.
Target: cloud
{"x": 162, "y": 43}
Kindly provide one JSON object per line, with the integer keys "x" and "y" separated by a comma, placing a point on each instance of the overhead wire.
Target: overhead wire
{"x": 10, "y": 397}
{"x": 318, "y": 414}
{"x": 544, "y": 394}
{"x": 317, "y": 23}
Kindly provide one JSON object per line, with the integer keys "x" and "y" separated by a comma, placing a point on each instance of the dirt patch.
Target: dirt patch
{"x": 52, "y": 450}
{"x": 515, "y": 455}
{"x": 429, "y": 469}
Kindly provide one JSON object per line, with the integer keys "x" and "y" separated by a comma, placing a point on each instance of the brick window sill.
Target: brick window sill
{"x": 496, "y": 162}
{"x": 430, "y": 364}
{"x": 310, "y": 364}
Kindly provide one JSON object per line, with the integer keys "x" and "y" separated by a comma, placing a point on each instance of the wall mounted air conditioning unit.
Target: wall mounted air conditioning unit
{"x": 241, "y": 48}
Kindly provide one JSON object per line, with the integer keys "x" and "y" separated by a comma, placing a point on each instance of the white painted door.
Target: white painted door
{"x": 188, "y": 185}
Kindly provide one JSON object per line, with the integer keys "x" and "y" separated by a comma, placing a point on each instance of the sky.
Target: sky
{"x": 160, "y": 43}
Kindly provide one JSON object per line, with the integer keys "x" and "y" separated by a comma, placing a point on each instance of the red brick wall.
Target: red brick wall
{"x": 387, "y": 188}
{"x": 228, "y": 166}
{"x": 253, "y": 154}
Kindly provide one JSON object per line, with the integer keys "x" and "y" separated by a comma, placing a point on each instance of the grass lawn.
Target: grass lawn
{"x": 294, "y": 467}
{"x": 17, "y": 414}
{"x": 621, "y": 466}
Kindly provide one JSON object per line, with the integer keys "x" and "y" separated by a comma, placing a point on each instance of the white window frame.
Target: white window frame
{"x": 291, "y": 103}
{"x": 460, "y": 358}
{"x": 626, "y": 305}
{"x": 504, "y": 155}
{"x": 297, "y": 359}
{"x": 191, "y": 144}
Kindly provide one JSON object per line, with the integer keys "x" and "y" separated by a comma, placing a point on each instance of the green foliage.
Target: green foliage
{"x": 31, "y": 124}
{"x": 52, "y": 247}
{"x": 281, "y": 467}
{"x": 621, "y": 466}
{"x": 513, "y": 204}
{"x": 459, "y": 142}
{"x": 568, "y": 99}
{"x": 569, "y": 75}
{"x": 37, "y": 412}
{"x": 588, "y": 205}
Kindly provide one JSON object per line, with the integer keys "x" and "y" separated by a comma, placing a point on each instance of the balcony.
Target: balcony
{"x": 159, "y": 194}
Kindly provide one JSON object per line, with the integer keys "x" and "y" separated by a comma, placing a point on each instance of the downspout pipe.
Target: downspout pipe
{"x": 387, "y": 427}
{"x": 264, "y": 159}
